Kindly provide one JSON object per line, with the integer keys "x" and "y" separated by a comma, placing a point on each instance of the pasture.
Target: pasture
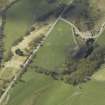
{"x": 38, "y": 89}
{"x": 21, "y": 16}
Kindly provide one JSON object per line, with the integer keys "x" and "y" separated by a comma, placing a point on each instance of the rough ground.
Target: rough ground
{"x": 87, "y": 15}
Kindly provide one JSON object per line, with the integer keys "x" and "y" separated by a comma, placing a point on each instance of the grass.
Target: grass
{"x": 100, "y": 74}
{"x": 21, "y": 16}
{"x": 38, "y": 89}
{"x": 101, "y": 39}
{"x": 41, "y": 85}
{"x": 17, "y": 23}
{"x": 52, "y": 54}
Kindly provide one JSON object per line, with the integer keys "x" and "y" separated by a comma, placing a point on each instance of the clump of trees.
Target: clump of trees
{"x": 19, "y": 52}
{"x": 80, "y": 70}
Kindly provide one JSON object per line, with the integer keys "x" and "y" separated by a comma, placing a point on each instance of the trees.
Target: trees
{"x": 19, "y": 52}
{"x": 80, "y": 70}
{"x": 84, "y": 70}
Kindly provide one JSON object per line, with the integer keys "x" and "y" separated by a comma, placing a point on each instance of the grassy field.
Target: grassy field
{"x": 17, "y": 23}
{"x": 100, "y": 75}
{"x": 101, "y": 39}
{"x": 41, "y": 90}
{"x": 20, "y": 17}
{"x": 52, "y": 53}
{"x": 38, "y": 89}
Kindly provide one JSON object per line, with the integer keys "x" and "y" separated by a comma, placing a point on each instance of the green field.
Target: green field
{"x": 38, "y": 89}
{"x": 52, "y": 53}
{"x": 21, "y": 16}
{"x": 41, "y": 90}
{"x": 101, "y": 39}
{"x": 17, "y": 22}
{"x": 100, "y": 74}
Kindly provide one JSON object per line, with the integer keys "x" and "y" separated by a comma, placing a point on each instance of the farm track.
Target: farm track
{"x": 86, "y": 35}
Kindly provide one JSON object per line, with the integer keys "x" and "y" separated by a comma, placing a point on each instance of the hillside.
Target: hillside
{"x": 87, "y": 15}
{"x": 52, "y": 52}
